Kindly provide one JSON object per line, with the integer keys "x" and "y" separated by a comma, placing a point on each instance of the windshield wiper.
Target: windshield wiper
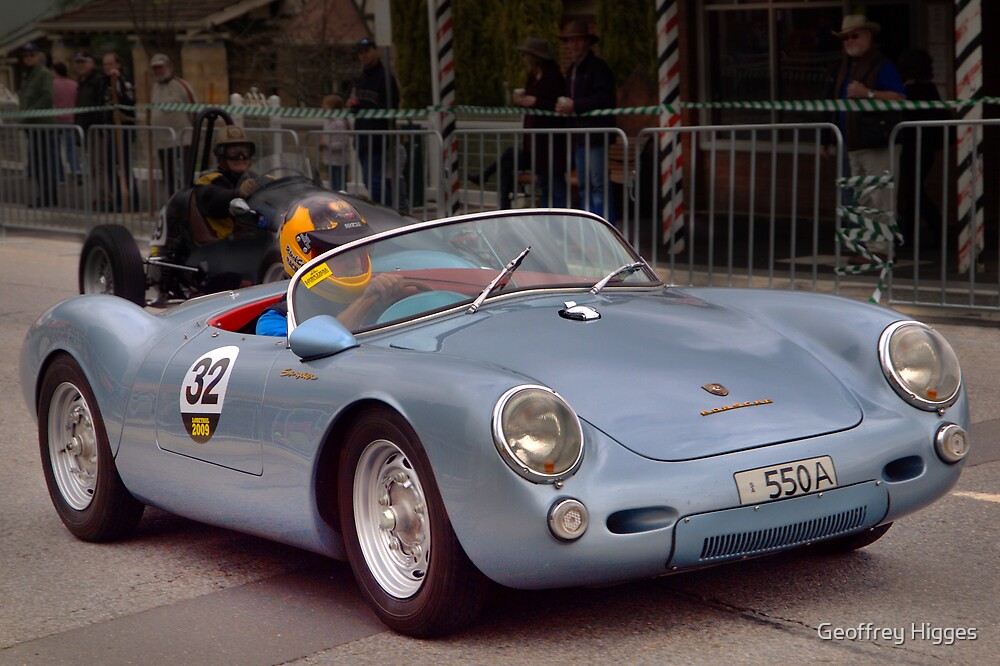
{"x": 627, "y": 268}
{"x": 507, "y": 271}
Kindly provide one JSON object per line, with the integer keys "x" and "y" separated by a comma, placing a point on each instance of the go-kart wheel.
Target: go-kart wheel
{"x": 846, "y": 544}
{"x": 406, "y": 558}
{"x": 110, "y": 263}
{"x": 79, "y": 469}
{"x": 271, "y": 269}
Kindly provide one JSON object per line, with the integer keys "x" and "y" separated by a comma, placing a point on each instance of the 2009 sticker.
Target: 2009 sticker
{"x": 203, "y": 392}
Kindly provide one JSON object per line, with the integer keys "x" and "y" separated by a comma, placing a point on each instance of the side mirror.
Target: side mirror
{"x": 320, "y": 336}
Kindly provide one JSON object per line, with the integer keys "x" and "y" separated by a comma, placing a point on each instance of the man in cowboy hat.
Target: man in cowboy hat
{"x": 865, "y": 74}
{"x": 590, "y": 85}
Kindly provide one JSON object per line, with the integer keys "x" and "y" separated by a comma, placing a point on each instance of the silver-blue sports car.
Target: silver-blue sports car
{"x": 528, "y": 405}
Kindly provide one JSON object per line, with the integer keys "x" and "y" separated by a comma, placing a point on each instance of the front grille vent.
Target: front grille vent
{"x": 758, "y": 542}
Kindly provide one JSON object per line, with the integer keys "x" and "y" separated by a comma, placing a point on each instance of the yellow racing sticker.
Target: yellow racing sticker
{"x": 316, "y": 275}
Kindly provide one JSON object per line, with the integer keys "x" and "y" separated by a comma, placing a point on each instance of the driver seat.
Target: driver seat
{"x": 202, "y": 232}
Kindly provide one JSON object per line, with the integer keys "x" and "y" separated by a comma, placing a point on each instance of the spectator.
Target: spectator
{"x": 37, "y": 93}
{"x": 865, "y": 74}
{"x": 91, "y": 83}
{"x": 65, "y": 98}
{"x": 335, "y": 143}
{"x": 170, "y": 89}
{"x": 119, "y": 94}
{"x": 544, "y": 85}
{"x": 916, "y": 68}
{"x": 590, "y": 86}
{"x": 376, "y": 89}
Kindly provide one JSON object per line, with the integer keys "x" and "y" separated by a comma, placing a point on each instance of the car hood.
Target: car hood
{"x": 644, "y": 372}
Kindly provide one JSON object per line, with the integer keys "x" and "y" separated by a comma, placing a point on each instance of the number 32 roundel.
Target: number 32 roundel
{"x": 204, "y": 390}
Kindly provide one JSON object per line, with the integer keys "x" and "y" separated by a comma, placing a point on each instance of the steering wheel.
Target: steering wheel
{"x": 415, "y": 304}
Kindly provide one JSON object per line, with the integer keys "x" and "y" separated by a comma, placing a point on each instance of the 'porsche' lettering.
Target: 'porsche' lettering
{"x": 738, "y": 405}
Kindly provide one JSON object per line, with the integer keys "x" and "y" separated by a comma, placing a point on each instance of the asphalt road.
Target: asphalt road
{"x": 180, "y": 592}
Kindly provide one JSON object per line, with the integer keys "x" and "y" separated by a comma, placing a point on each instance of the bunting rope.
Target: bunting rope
{"x": 870, "y": 224}
{"x": 818, "y": 105}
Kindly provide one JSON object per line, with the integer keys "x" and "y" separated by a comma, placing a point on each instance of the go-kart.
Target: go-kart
{"x": 187, "y": 258}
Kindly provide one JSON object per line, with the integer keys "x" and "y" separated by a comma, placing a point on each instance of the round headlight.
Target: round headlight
{"x": 537, "y": 434}
{"x": 920, "y": 365}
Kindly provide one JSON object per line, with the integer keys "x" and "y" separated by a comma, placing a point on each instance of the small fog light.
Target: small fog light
{"x": 951, "y": 443}
{"x": 568, "y": 519}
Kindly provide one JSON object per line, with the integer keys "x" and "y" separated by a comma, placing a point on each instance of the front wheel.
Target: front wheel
{"x": 80, "y": 471}
{"x": 405, "y": 556}
{"x": 110, "y": 263}
{"x": 271, "y": 269}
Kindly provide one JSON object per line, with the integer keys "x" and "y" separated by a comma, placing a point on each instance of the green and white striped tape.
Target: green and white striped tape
{"x": 872, "y": 225}
{"x": 307, "y": 112}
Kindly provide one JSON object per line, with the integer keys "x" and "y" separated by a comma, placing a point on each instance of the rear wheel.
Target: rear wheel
{"x": 852, "y": 542}
{"x": 79, "y": 469}
{"x": 110, "y": 263}
{"x": 406, "y": 558}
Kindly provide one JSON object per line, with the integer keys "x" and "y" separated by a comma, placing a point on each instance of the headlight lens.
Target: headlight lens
{"x": 920, "y": 365}
{"x": 537, "y": 434}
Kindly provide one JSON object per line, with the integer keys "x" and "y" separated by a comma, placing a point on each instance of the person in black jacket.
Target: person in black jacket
{"x": 376, "y": 89}
{"x": 590, "y": 85}
{"x": 119, "y": 98}
{"x": 916, "y": 68}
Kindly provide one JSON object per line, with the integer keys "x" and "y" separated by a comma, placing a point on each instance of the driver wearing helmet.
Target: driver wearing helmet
{"x": 319, "y": 224}
{"x": 233, "y": 179}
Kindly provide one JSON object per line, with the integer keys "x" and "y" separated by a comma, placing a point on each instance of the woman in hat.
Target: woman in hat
{"x": 543, "y": 154}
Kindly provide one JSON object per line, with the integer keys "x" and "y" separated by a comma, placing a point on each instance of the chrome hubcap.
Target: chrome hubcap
{"x": 98, "y": 275}
{"x": 392, "y": 523}
{"x": 72, "y": 446}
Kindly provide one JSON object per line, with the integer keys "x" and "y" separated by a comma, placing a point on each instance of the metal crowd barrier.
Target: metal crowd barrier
{"x": 408, "y": 159}
{"x": 760, "y": 202}
{"x": 517, "y": 168}
{"x": 938, "y": 233}
{"x": 758, "y": 214}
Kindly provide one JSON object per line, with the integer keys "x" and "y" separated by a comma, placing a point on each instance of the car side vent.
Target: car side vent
{"x": 759, "y": 542}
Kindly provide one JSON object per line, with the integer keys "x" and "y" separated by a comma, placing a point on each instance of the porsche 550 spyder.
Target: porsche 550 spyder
{"x": 188, "y": 255}
{"x": 536, "y": 410}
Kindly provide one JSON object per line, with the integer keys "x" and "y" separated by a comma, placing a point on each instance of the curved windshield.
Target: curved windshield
{"x": 462, "y": 261}
{"x": 282, "y": 165}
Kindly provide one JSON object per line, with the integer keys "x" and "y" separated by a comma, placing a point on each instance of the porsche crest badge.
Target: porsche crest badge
{"x": 716, "y": 389}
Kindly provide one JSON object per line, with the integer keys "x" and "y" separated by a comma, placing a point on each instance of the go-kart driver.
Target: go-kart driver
{"x": 213, "y": 191}
{"x": 319, "y": 224}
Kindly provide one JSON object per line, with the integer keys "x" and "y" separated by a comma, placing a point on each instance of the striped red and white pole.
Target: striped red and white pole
{"x": 969, "y": 85}
{"x": 446, "y": 83}
{"x": 670, "y": 153}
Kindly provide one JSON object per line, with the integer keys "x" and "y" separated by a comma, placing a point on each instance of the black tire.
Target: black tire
{"x": 271, "y": 269}
{"x": 852, "y": 542}
{"x": 110, "y": 263}
{"x": 80, "y": 471}
{"x": 426, "y": 585}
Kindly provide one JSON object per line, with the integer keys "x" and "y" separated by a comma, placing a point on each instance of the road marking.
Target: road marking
{"x": 985, "y": 497}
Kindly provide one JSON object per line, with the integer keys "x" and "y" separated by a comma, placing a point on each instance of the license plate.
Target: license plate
{"x": 790, "y": 479}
